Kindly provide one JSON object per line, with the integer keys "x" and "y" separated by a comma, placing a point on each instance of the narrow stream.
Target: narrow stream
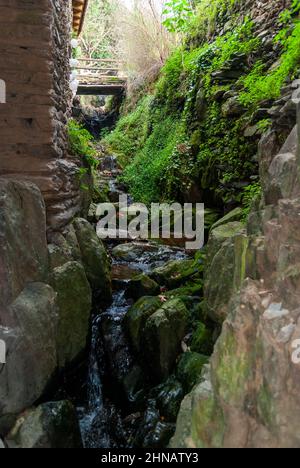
{"x": 111, "y": 417}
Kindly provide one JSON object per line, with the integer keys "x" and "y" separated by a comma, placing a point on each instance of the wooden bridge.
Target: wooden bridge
{"x": 100, "y": 77}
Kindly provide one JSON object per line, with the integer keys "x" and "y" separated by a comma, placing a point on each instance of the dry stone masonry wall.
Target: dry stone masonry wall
{"x": 34, "y": 64}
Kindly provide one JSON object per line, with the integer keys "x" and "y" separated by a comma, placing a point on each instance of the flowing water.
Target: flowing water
{"x": 108, "y": 418}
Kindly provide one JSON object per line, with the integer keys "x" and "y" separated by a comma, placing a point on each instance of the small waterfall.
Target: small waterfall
{"x": 93, "y": 419}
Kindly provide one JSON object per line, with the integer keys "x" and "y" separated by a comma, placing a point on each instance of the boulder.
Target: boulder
{"x": 219, "y": 235}
{"x": 169, "y": 396}
{"x": 94, "y": 259}
{"x": 132, "y": 251}
{"x": 57, "y": 256}
{"x": 142, "y": 286}
{"x": 283, "y": 178}
{"x": 162, "y": 337}
{"x": 233, "y": 216}
{"x": 74, "y": 299}
{"x": 225, "y": 271}
{"x": 30, "y": 337}
{"x": 23, "y": 245}
{"x": 136, "y": 317}
{"x": 174, "y": 273}
{"x": 189, "y": 369}
{"x": 50, "y": 425}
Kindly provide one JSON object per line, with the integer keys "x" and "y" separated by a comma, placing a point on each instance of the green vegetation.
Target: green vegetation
{"x": 187, "y": 137}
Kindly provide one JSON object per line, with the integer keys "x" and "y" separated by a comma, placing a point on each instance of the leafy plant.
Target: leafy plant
{"x": 250, "y": 195}
{"x": 178, "y": 14}
{"x": 80, "y": 142}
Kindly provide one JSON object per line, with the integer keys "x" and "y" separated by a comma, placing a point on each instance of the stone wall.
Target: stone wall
{"x": 34, "y": 63}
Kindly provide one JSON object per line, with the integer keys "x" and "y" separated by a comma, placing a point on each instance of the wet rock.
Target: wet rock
{"x": 142, "y": 286}
{"x": 134, "y": 385}
{"x": 74, "y": 301}
{"x": 94, "y": 258}
{"x": 148, "y": 423}
{"x": 51, "y": 425}
{"x": 189, "y": 369}
{"x": 132, "y": 251}
{"x": 160, "y": 436}
{"x": 202, "y": 340}
{"x": 169, "y": 396}
{"x": 162, "y": 336}
{"x": 30, "y": 336}
{"x": 136, "y": 317}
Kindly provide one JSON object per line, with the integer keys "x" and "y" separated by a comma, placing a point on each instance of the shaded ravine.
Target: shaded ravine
{"x": 112, "y": 416}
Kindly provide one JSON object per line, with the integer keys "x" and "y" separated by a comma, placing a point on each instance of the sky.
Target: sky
{"x": 129, "y": 3}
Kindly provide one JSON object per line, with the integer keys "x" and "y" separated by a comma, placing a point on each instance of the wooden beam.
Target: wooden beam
{"x": 79, "y": 11}
{"x": 100, "y": 90}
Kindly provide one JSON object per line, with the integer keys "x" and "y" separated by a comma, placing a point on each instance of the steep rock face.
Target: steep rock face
{"x": 249, "y": 395}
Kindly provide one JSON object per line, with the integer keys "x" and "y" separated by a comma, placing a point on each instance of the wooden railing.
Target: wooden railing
{"x": 100, "y": 72}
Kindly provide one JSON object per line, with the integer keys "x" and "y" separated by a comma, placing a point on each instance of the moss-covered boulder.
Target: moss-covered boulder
{"x": 162, "y": 337}
{"x": 175, "y": 273}
{"x": 233, "y": 216}
{"x": 136, "y": 317}
{"x": 221, "y": 234}
{"x": 94, "y": 259}
{"x": 141, "y": 286}
{"x": 225, "y": 271}
{"x": 74, "y": 299}
{"x": 50, "y": 425}
{"x": 189, "y": 369}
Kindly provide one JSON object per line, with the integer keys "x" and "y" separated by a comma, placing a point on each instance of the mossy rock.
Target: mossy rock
{"x": 233, "y": 216}
{"x": 141, "y": 286}
{"x": 189, "y": 369}
{"x": 136, "y": 317}
{"x": 175, "y": 273}
{"x": 202, "y": 340}
{"x": 162, "y": 337}
{"x": 219, "y": 235}
{"x": 74, "y": 298}
{"x": 94, "y": 259}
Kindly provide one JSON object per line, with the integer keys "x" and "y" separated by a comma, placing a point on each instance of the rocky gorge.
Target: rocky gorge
{"x": 141, "y": 343}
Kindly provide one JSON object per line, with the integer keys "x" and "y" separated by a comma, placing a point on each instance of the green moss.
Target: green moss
{"x": 189, "y": 369}
{"x": 262, "y": 83}
{"x": 266, "y": 406}
{"x": 233, "y": 370}
{"x": 80, "y": 142}
{"x": 131, "y": 132}
{"x": 202, "y": 341}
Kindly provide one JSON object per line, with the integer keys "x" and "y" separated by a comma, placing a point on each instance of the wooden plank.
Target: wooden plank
{"x": 99, "y": 60}
{"x": 100, "y": 90}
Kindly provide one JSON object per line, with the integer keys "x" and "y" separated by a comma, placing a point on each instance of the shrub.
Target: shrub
{"x": 80, "y": 142}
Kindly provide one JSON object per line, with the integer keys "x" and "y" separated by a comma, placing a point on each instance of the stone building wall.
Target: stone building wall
{"x": 34, "y": 63}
